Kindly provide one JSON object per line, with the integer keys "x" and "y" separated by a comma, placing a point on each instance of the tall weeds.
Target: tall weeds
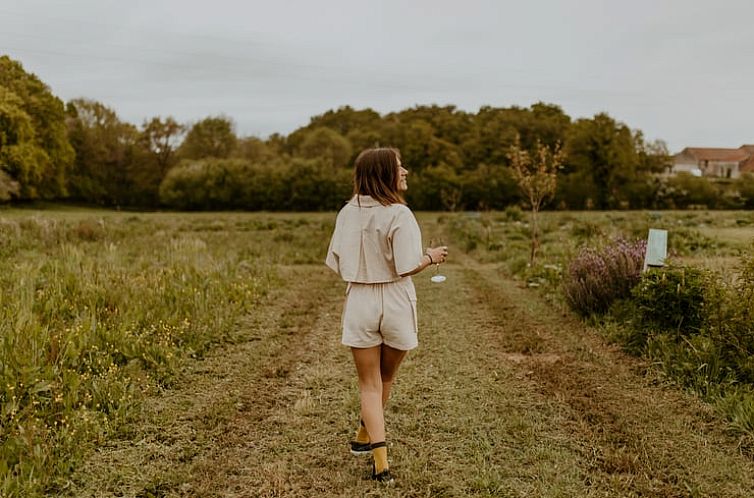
{"x": 92, "y": 317}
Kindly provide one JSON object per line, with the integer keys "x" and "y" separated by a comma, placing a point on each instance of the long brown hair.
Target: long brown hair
{"x": 375, "y": 173}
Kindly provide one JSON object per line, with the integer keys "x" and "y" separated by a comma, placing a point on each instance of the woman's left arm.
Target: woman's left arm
{"x": 434, "y": 255}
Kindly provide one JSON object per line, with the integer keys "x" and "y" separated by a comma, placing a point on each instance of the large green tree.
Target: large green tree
{"x": 327, "y": 145}
{"x": 40, "y": 155}
{"x": 106, "y": 149}
{"x": 602, "y": 152}
{"x": 210, "y": 137}
{"x": 159, "y": 139}
{"x": 20, "y": 156}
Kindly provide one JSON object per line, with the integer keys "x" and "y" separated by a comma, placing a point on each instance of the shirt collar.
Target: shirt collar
{"x": 364, "y": 200}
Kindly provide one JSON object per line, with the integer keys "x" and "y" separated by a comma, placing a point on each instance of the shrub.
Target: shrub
{"x": 586, "y": 229}
{"x": 696, "y": 362}
{"x": 671, "y": 299}
{"x": 731, "y": 323}
{"x": 514, "y": 213}
{"x": 598, "y": 277}
{"x": 300, "y": 185}
{"x": 738, "y": 408}
{"x": 745, "y": 188}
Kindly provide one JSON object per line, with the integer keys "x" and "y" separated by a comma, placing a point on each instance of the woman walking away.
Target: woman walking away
{"x": 375, "y": 248}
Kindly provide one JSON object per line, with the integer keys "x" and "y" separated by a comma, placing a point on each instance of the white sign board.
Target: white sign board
{"x": 657, "y": 248}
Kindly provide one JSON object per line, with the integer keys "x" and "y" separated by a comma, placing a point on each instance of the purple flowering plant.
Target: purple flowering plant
{"x": 597, "y": 277}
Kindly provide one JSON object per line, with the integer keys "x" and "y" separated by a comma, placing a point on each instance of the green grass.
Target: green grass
{"x": 99, "y": 309}
{"x": 103, "y": 313}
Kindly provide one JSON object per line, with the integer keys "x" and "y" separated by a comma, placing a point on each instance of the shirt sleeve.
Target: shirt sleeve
{"x": 406, "y": 242}
{"x": 333, "y": 259}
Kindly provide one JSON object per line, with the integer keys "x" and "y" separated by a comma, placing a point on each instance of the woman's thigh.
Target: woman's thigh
{"x": 391, "y": 359}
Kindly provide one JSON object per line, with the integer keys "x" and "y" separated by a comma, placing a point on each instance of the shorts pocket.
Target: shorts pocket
{"x": 411, "y": 294}
{"x": 345, "y": 305}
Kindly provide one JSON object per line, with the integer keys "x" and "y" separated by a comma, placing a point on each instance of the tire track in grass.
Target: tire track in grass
{"x": 282, "y": 442}
{"x": 460, "y": 424}
{"x": 634, "y": 436}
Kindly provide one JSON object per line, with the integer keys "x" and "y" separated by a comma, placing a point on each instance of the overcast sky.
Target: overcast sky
{"x": 679, "y": 70}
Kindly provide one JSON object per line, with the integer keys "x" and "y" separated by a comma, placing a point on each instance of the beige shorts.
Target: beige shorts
{"x": 374, "y": 314}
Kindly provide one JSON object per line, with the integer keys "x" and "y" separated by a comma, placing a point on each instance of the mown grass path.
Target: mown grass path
{"x": 506, "y": 396}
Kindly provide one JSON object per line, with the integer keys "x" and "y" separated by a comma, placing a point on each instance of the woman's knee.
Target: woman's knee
{"x": 370, "y": 385}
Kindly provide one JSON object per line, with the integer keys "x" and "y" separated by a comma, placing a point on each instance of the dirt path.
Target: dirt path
{"x": 504, "y": 397}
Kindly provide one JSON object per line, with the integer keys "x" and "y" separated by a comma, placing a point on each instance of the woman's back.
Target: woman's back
{"x": 374, "y": 243}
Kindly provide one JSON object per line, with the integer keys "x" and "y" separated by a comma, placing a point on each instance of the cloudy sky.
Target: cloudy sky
{"x": 679, "y": 70}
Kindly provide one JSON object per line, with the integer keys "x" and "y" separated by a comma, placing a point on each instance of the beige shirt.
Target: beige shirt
{"x": 373, "y": 243}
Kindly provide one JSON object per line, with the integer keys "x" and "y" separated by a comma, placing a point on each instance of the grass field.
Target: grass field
{"x": 198, "y": 355}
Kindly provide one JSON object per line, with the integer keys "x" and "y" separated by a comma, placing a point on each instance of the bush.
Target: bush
{"x": 731, "y": 323}
{"x": 696, "y": 362}
{"x": 745, "y": 188}
{"x": 514, "y": 213}
{"x": 685, "y": 191}
{"x": 671, "y": 300}
{"x": 598, "y": 277}
{"x": 297, "y": 185}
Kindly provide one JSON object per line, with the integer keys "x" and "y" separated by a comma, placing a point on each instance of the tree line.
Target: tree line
{"x": 81, "y": 151}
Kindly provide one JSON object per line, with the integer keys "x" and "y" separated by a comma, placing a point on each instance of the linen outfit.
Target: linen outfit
{"x": 372, "y": 245}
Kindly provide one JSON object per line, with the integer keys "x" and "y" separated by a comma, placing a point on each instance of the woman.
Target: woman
{"x": 375, "y": 248}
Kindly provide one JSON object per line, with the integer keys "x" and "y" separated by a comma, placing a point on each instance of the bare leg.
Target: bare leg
{"x": 368, "y": 362}
{"x": 389, "y": 363}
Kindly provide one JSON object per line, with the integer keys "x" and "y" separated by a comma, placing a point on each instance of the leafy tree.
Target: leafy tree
{"x": 436, "y": 188}
{"x": 537, "y": 175}
{"x": 210, "y": 137}
{"x": 277, "y": 144}
{"x": 20, "y": 156}
{"x": 346, "y": 119}
{"x": 161, "y": 138}
{"x": 9, "y": 188}
{"x": 158, "y": 140}
{"x": 41, "y": 158}
{"x": 327, "y": 145}
{"x": 448, "y": 123}
{"x": 653, "y": 156}
{"x": 254, "y": 150}
{"x": 362, "y": 129}
{"x": 419, "y": 145}
{"x": 105, "y": 153}
{"x": 603, "y": 151}
{"x": 489, "y": 186}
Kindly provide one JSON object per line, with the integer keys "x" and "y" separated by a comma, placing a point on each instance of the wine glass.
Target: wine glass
{"x": 437, "y": 278}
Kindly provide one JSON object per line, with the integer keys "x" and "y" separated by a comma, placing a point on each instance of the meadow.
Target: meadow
{"x": 109, "y": 320}
{"x": 99, "y": 309}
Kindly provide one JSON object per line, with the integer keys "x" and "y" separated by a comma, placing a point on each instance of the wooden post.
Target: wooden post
{"x": 657, "y": 249}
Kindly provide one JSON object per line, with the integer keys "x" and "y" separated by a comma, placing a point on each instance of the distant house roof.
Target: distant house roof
{"x": 718, "y": 154}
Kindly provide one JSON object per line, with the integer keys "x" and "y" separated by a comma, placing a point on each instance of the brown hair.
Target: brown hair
{"x": 375, "y": 173}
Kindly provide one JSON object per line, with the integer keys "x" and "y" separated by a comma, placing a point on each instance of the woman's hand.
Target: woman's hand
{"x": 437, "y": 254}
